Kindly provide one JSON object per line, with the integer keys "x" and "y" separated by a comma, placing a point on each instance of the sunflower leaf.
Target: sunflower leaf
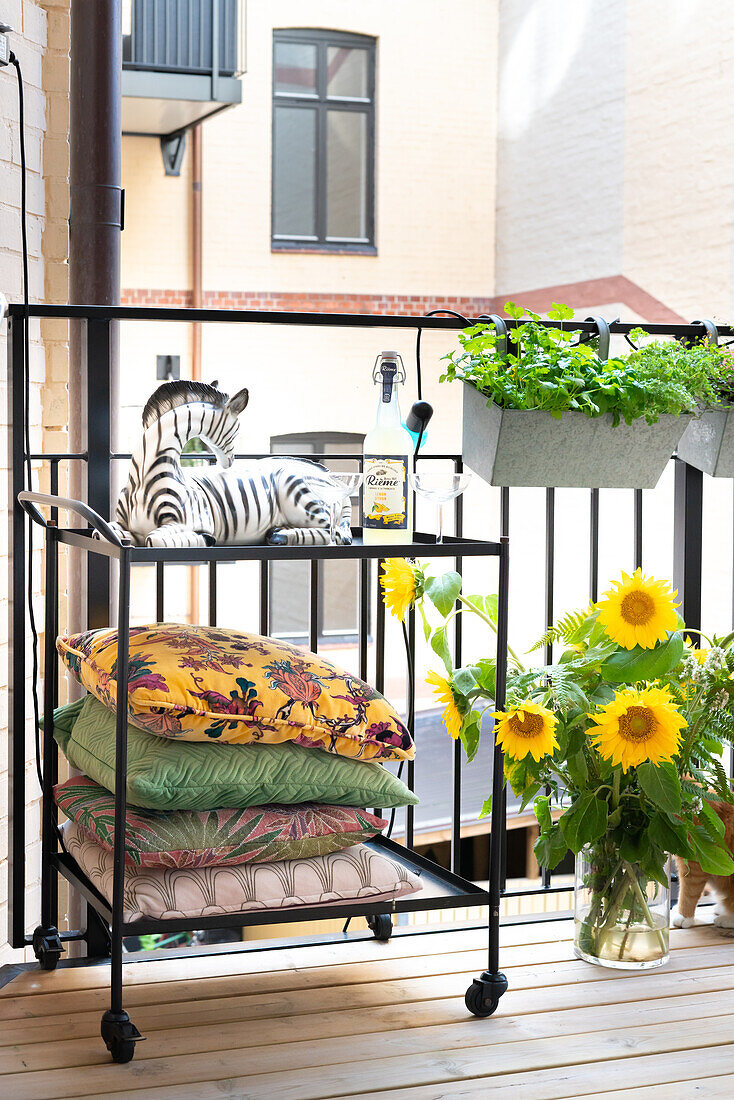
{"x": 669, "y": 834}
{"x": 713, "y": 857}
{"x": 584, "y": 822}
{"x": 542, "y": 812}
{"x": 469, "y": 733}
{"x": 464, "y": 680}
{"x": 627, "y": 666}
{"x": 440, "y": 645}
{"x": 486, "y": 807}
{"x": 442, "y": 591}
{"x": 550, "y": 847}
{"x": 661, "y": 785}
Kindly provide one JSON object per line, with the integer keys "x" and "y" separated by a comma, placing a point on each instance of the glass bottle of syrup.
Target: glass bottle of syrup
{"x": 388, "y": 458}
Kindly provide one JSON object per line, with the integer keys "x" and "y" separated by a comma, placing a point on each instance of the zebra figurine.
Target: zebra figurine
{"x": 277, "y": 500}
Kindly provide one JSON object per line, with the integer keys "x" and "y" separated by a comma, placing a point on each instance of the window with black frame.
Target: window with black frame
{"x": 323, "y": 141}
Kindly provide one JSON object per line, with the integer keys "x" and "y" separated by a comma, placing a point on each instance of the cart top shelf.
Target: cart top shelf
{"x": 422, "y": 545}
{"x": 108, "y": 543}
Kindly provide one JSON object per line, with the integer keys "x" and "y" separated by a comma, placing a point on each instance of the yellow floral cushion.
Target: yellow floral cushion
{"x": 200, "y": 682}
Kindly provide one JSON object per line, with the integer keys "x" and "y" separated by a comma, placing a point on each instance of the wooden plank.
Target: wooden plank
{"x": 707, "y": 1086}
{"x": 307, "y": 1045}
{"x": 180, "y": 968}
{"x": 649, "y": 1072}
{"x": 80, "y": 1023}
{"x": 526, "y": 1061}
{"x": 264, "y": 998}
{"x": 51, "y": 997}
{"x": 368, "y": 950}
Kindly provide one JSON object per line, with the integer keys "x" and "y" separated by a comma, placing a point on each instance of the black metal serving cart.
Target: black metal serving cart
{"x": 106, "y": 573}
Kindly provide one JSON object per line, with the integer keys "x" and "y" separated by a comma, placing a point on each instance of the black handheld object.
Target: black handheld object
{"x": 417, "y": 421}
{"x": 419, "y": 416}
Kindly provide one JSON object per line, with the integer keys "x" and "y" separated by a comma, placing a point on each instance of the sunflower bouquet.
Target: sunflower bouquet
{"x": 618, "y": 744}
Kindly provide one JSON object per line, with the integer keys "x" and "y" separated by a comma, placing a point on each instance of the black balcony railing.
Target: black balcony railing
{"x": 99, "y": 455}
{"x": 184, "y": 36}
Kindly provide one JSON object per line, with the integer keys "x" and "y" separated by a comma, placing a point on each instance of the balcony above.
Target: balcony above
{"x": 182, "y": 60}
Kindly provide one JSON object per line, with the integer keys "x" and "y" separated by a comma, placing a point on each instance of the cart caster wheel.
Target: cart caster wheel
{"x": 380, "y": 926}
{"x": 120, "y": 1036}
{"x": 483, "y": 995}
{"x": 47, "y": 947}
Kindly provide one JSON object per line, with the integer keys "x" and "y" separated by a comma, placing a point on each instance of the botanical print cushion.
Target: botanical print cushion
{"x": 186, "y": 775}
{"x": 354, "y": 874}
{"x": 197, "y": 838}
{"x": 200, "y": 683}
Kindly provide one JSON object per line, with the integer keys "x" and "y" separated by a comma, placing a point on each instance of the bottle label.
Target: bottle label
{"x": 385, "y": 493}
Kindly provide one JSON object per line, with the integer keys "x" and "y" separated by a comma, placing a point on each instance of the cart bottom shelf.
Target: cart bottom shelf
{"x": 441, "y": 889}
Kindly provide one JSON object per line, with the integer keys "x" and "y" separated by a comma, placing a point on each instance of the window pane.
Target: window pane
{"x": 295, "y": 68}
{"x": 346, "y": 73}
{"x": 346, "y": 174}
{"x": 294, "y": 171}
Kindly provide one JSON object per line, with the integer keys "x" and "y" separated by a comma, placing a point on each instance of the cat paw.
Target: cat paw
{"x": 677, "y": 920}
{"x": 724, "y": 920}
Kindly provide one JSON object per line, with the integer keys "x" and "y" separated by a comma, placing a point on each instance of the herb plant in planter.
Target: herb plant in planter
{"x": 708, "y": 441}
{"x": 543, "y": 408}
{"x": 626, "y": 731}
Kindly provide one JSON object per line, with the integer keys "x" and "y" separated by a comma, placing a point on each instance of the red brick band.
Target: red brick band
{"x": 585, "y": 295}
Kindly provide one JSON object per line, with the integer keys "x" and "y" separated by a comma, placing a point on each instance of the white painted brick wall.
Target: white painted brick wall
{"x": 44, "y": 60}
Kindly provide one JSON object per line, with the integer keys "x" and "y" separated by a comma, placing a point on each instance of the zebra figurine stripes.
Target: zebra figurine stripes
{"x": 275, "y": 500}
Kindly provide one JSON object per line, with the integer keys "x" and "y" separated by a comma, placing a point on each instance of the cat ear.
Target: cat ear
{"x": 215, "y": 384}
{"x": 238, "y": 403}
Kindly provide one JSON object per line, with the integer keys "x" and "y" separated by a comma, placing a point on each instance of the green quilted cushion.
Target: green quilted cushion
{"x": 163, "y": 774}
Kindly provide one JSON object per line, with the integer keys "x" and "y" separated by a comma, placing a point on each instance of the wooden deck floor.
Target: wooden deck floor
{"x": 367, "y": 1021}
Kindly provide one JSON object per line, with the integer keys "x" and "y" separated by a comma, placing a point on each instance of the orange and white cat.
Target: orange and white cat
{"x": 693, "y": 880}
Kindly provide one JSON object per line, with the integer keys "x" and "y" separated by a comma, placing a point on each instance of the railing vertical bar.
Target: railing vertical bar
{"x": 264, "y": 597}
{"x": 49, "y": 878}
{"x": 364, "y": 617}
{"x": 638, "y": 528}
{"x": 550, "y": 555}
{"x": 212, "y": 593}
{"x": 688, "y": 541}
{"x": 54, "y": 484}
{"x": 380, "y": 633}
{"x": 17, "y": 632}
{"x": 160, "y": 592}
{"x": 313, "y": 608}
{"x": 594, "y": 545}
{"x": 410, "y": 810}
{"x": 97, "y": 366}
{"x": 457, "y": 747}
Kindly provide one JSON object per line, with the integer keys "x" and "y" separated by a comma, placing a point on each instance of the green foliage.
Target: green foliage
{"x": 629, "y": 665}
{"x": 629, "y": 819}
{"x": 660, "y": 783}
{"x": 549, "y": 368}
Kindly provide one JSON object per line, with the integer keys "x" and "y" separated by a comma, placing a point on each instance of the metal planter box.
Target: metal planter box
{"x": 521, "y": 447}
{"x": 708, "y": 443}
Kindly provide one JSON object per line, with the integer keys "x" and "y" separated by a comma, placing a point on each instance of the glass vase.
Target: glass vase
{"x": 622, "y": 916}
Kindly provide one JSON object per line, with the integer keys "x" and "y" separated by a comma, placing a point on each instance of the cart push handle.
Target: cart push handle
{"x": 28, "y": 501}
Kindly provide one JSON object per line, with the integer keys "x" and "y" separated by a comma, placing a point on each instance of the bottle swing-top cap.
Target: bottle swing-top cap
{"x": 388, "y": 371}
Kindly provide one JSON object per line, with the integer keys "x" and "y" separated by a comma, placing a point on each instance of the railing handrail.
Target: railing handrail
{"x": 331, "y": 320}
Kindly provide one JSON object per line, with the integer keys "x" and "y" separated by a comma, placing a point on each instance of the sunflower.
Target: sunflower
{"x": 401, "y": 582}
{"x": 528, "y": 728}
{"x": 638, "y": 726}
{"x": 444, "y": 693}
{"x": 638, "y": 611}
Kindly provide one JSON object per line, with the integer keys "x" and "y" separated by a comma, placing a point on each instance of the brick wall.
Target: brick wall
{"x": 41, "y": 43}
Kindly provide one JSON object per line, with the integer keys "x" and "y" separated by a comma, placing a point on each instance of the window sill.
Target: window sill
{"x": 324, "y": 249}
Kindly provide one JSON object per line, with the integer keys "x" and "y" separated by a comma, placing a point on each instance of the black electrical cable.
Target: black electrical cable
{"x": 432, "y": 313}
{"x": 27, "y": 380}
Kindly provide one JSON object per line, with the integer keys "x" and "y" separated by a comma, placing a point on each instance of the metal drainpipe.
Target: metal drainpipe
{"x": 95, "y": 141}
{"x": 196, "y": 302}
